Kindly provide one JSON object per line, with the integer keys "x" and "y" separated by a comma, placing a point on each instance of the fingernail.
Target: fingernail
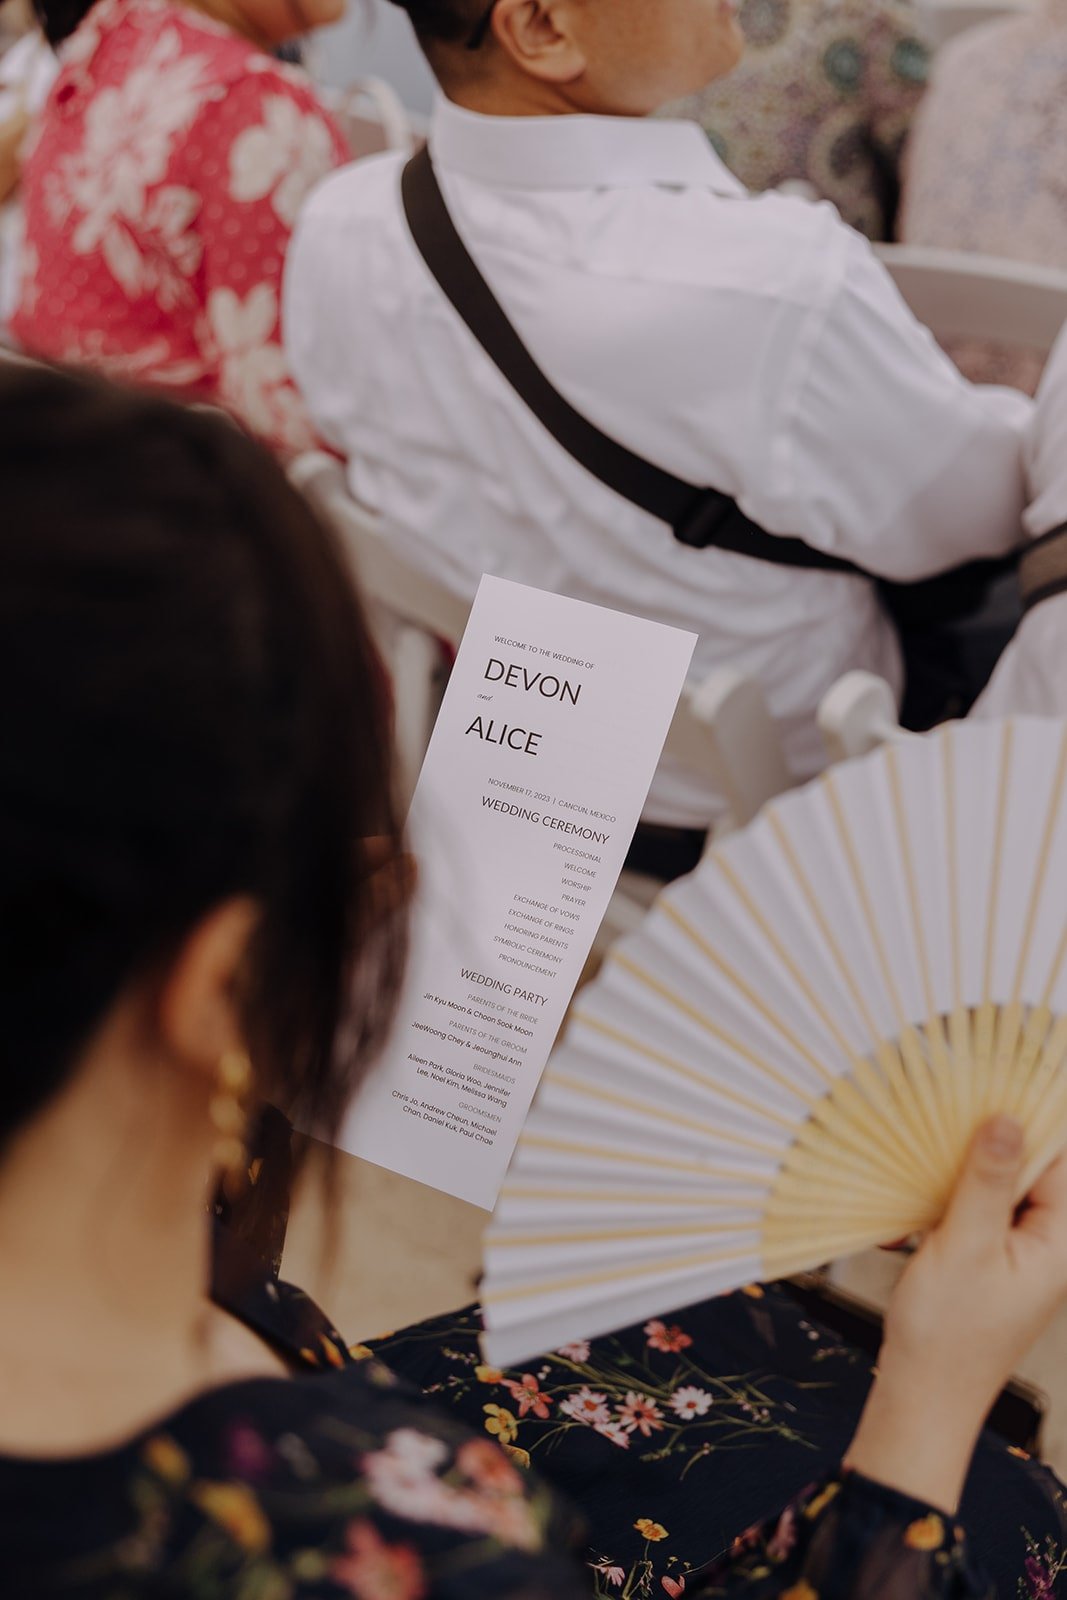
{"x": 1003, "y": 1138}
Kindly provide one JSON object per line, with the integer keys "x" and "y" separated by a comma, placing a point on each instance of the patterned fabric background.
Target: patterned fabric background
{"x": 825, "y": 95}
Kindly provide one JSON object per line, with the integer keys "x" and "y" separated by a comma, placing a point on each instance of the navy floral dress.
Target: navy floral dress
{"x": 676, "y": 1435}
{"x": 343, "y": 1480}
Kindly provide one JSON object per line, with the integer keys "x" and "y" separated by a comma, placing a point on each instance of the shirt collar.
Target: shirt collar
{"x": 575, "y": 152}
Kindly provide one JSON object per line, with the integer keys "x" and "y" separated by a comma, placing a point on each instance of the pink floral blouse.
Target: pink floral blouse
{"x": 171, "y": 161}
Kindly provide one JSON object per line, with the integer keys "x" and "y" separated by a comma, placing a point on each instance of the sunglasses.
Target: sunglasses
{"x": 481, "y": 29}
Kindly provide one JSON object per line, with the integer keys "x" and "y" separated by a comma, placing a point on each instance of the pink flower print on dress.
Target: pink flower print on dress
{"x": 586, "y": 1405}
{"x": 614, "y": 1575}
{"x": 527, "y": 1392}
{"x": 670, "y": 1340}
{"x": 639, "y": 1414}
{"x": 375, "y": 1570}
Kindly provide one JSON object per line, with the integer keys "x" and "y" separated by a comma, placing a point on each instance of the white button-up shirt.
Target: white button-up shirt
{"x": 754, "y": 345}
{"x": 1031, "y": 675}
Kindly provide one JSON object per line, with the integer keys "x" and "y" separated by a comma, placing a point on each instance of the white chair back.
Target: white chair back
{"x": 372, "y": 117}
{"x": 963, "y": 296}
{"x": 414, "y": 618}
{"x": 856, "y": 715}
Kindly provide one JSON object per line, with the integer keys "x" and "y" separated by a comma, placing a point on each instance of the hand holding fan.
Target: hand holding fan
{"x": 787, "y": 1060}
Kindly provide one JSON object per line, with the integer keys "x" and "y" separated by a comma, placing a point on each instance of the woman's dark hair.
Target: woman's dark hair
{"x": 434, "y": 21}
{"x": 59, "y": 18}
{"x": 190, "y": 708}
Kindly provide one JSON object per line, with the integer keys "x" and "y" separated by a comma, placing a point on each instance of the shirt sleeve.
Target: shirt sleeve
{"x": 852, "y": 1539}
{"x": 1046, "y": 447}
{"x": 883, "y": 452}
{"x": 254, "y": 156}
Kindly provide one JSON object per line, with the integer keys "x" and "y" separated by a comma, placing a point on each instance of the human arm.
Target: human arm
{"x": 983, "y": 1286}
{"x": 886, "y": 454}
{"x": 1046, "y": 446}
{"x": 254, "y": 157}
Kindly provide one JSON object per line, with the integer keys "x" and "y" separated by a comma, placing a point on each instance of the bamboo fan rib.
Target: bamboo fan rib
{"x": 788, "y": 1059}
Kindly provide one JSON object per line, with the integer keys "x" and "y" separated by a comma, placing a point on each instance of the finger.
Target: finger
{"x": 1046, "y": 1211}
{"x": 983, "y": 1202}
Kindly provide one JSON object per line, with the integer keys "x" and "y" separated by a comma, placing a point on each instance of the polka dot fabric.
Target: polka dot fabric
{"x": 160, "y": 195}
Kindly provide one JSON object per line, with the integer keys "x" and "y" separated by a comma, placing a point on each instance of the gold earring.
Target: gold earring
{"x": 228, "y": 1114}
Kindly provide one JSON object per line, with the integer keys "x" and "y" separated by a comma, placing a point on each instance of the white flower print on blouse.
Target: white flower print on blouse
{"x": 281, "y": 158}
{"x": 253, "y": 374}
{"x": 129, "y": 135}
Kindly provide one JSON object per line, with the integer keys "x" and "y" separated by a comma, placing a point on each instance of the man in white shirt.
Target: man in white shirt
{"x": 750, "y": 344}
{"x": 1032, "y": 673}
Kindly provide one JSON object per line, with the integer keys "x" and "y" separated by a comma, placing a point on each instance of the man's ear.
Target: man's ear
{"x": 538, "y": 36}
{"x": 199, "y": 1014}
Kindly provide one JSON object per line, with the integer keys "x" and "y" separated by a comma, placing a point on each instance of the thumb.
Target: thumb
{"x": 983, "y": 1201}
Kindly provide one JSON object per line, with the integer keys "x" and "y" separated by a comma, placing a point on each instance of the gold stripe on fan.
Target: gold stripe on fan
{"x": 863, "y": 1137}
{"x": 1041, "y": 868}
{"x": 527, "y": 1191}
{"x": 810, "y": 1174}
{"x": 935, "y": 1034}
{"x": 918, "y": 1106}
{"x": 759, "y": 1005}
{"x": 509, "y": 1240}
{"x": 1016, "y": 1064}
{"x": 628, "y": 1275}
{"x": 629, "y": 965}
{"x": 959, "y": 1021}
{"x": 911, "y": 1159}
{"x": 632, "y": 1042}
{"x": 1049, "y": 1057}
{"x": 650, "y": 1109}
{"x": 1048, "y": 1099}
{"x": 1052, "y": 1137}
{"x": 540, "y": 1141}
{"x": 622, "y": 1275}
{"x": 869, "y": 1121}
{"x": 991, "y": 1086}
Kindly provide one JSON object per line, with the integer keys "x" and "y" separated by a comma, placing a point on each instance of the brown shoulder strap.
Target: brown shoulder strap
{"x": 1043, "y": 567}
{"x": 699, "y": 517}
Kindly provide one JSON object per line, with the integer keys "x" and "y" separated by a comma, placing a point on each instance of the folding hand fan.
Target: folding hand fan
{"x": 786, "y": 1061}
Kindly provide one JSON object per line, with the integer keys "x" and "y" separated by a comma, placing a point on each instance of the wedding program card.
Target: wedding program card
{"x": 541, "y": 759}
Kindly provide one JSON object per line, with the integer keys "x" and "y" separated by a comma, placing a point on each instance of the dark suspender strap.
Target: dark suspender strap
{"x": 698, "y": 517}
{"x": 1043, "y": 567}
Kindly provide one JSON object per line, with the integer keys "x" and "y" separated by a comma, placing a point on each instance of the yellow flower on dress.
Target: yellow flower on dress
{"x": 926, "y": 1534}
{"x": 500, "y": 1422}
{"x": 331, "y": 1352}
{"x": 520, "y": 1457}
{"x": 236, "y": 1509}
{"x": 488, "y": 1374}
{"x": 799, "y": 1591}
{"x": 821, "y": 1501}
{"x": 361, "y": 1352}
{"x": 166, "y": 1459}
{"x": 652, "y": 1531}
{"x": 753, "y": 1291}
